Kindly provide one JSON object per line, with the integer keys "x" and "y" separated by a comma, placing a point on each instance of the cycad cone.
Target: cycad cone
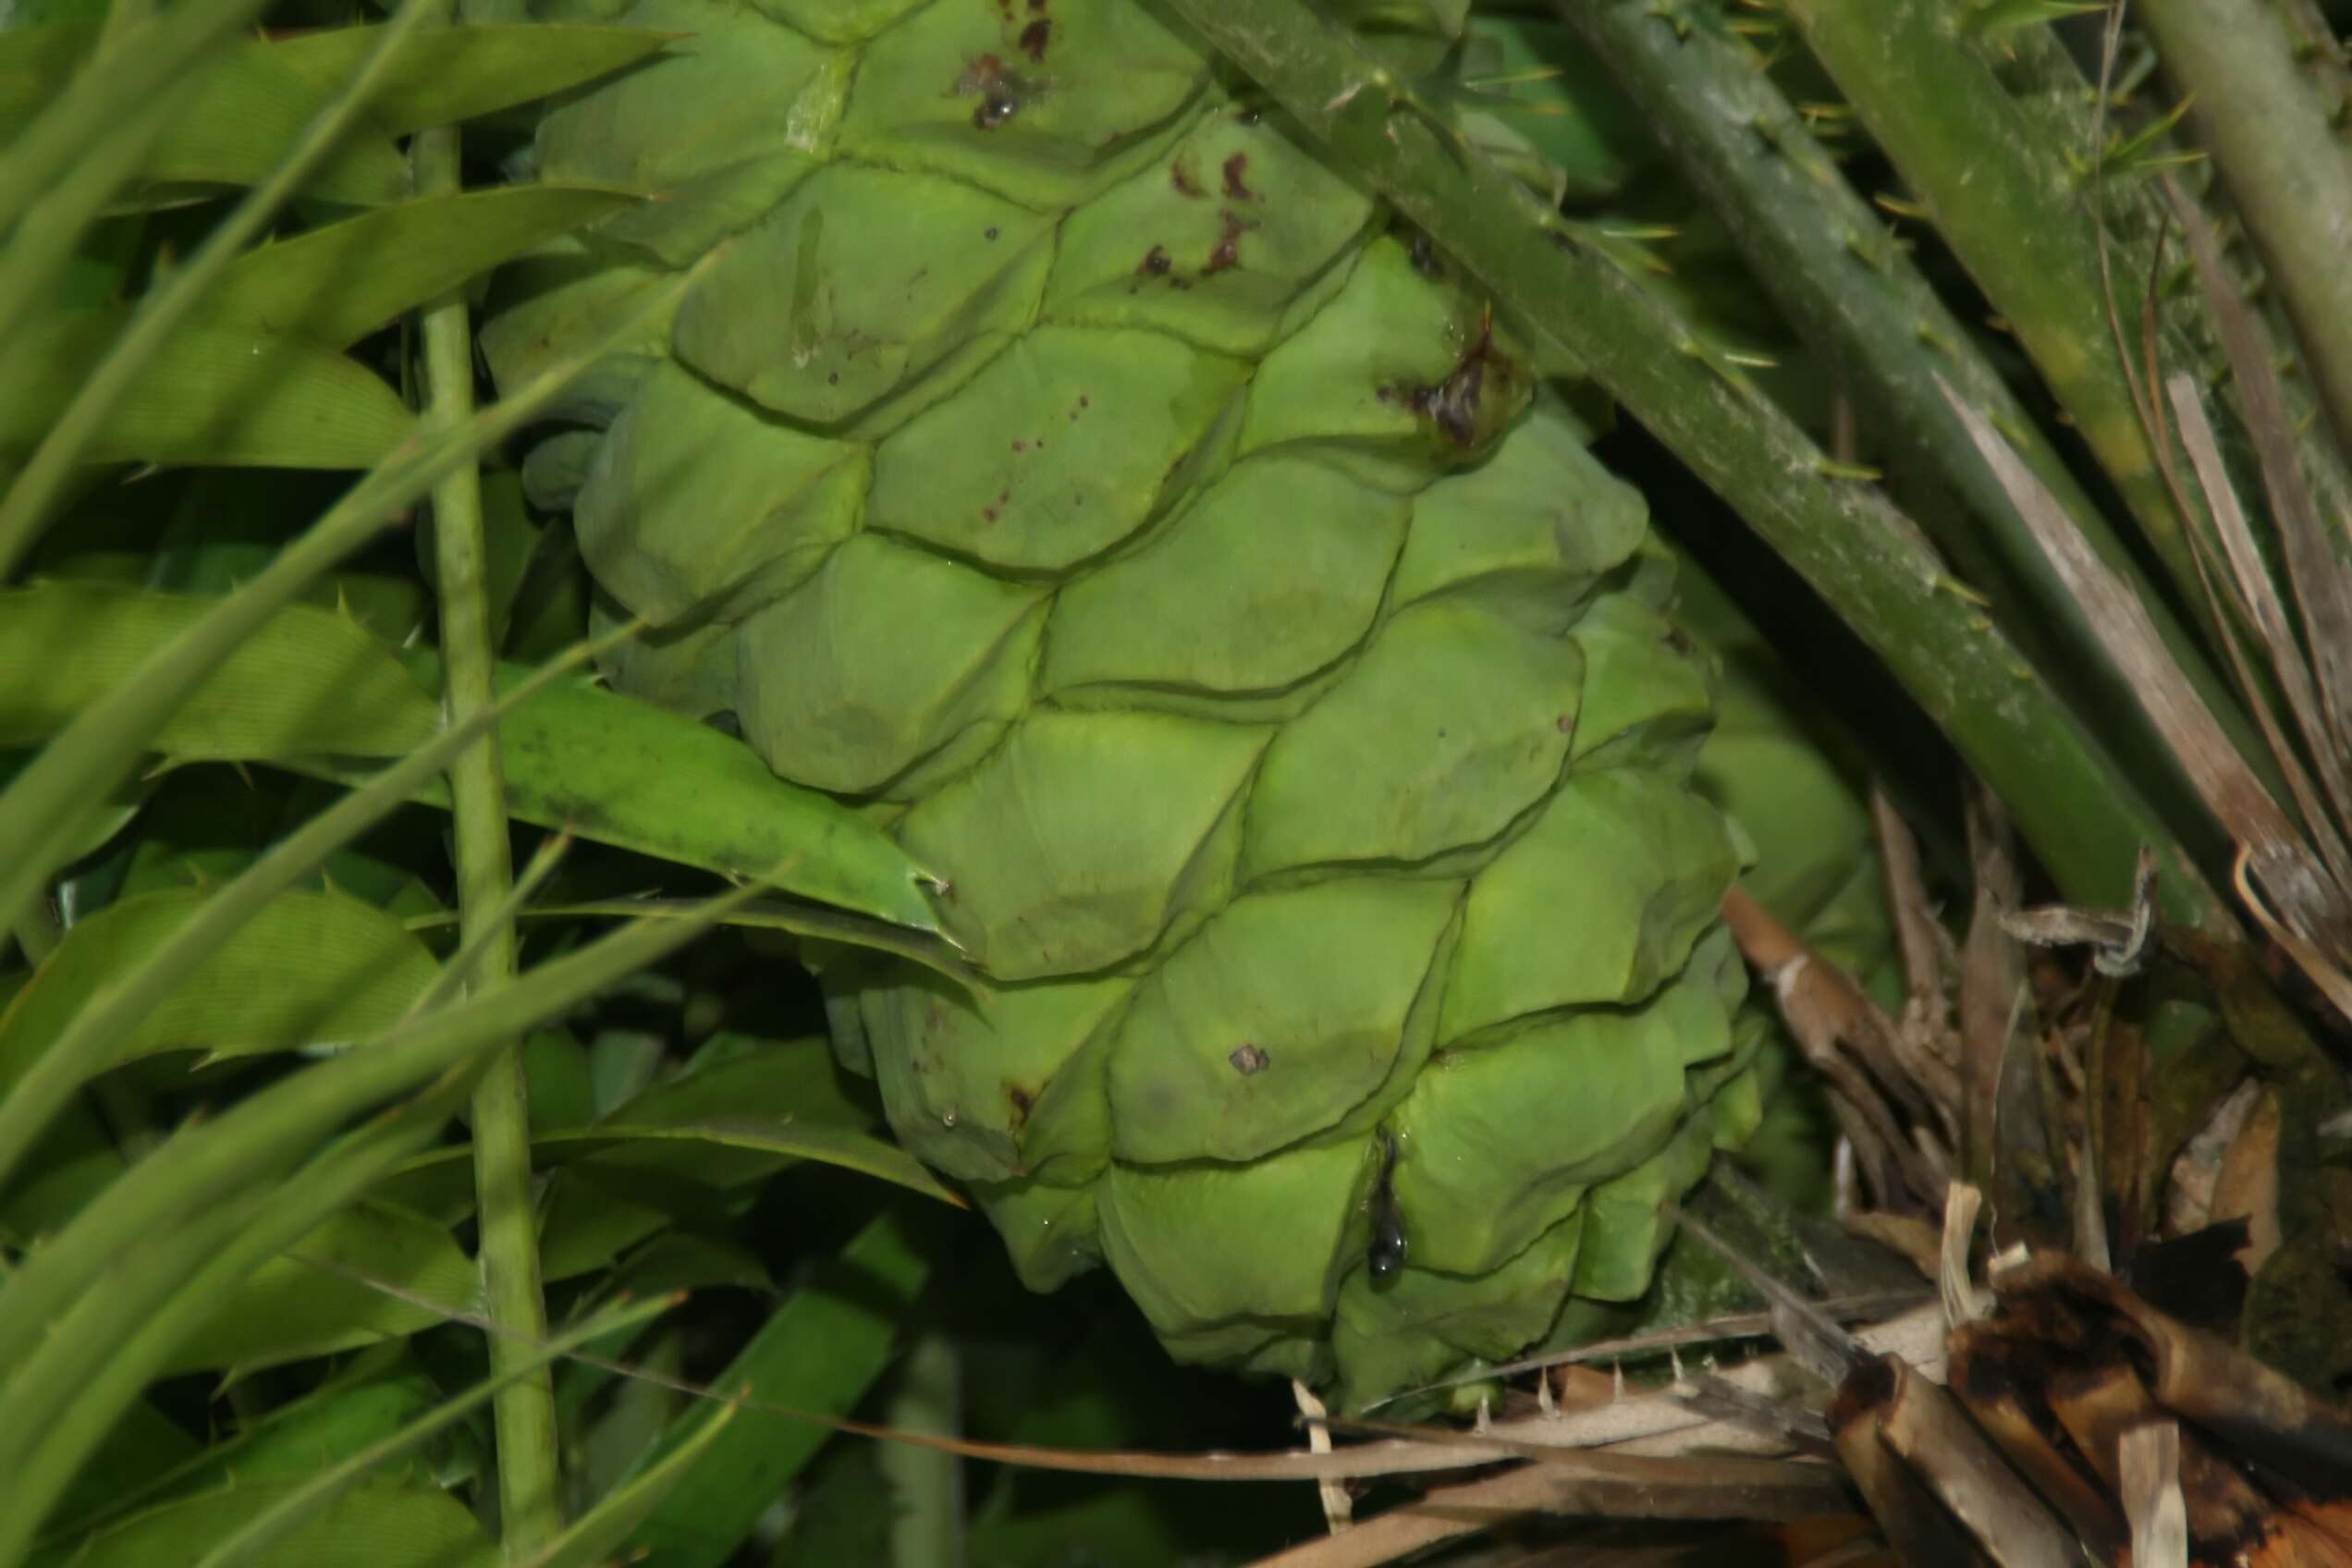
{"x": 1064, "y": 459}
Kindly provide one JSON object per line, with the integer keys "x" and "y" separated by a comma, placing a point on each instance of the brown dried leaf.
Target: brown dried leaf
{"x": 1919, "y": 938}
{"x": 1338, "y": 1508}
{"x": 1991, "y": 980}
{"x": 2260, "y": 596}
{"x": 2197, "y": 1170}
{"x": 1879, "y": 1310}
{"x": 2248, "y": 1184}
{"x": 2228, "y": 787}
{"x": 1824, "y": 1011}
{"x": 1997, "y": 1373}
{"x": 1955, "y": 1285}
{"x": 1907, "y": 1512}
{"x": 1612, "y": 1485}
{"x": 2260, "y": 1413}
{"x": 1925, "y": 1428}
{"x": 2322, "y": 586}
{"x": 1904, "y": 1233}
{"x": 2152, "y": 1495}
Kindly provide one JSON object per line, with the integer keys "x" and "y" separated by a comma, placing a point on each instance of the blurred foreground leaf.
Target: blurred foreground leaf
{"x": 213, "y": 393}
{"x": 308, "y": 680}
{"x": 308, "y": 1302}
{"x": 308, "y": 970}
{"x": 391, "y": 1521}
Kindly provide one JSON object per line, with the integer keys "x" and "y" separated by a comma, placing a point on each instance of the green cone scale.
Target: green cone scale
{"x": 1060, "y": 460}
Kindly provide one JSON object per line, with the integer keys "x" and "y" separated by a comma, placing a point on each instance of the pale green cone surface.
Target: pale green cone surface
{"x": 1062, "y": 459}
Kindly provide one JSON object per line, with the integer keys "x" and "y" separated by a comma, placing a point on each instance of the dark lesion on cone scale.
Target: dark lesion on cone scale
{"x": 1386, "y": 1256}
{"x": 1002, "y": 90}
{"x": 1424, "y": 254}
{"x": 1452, "y": 405}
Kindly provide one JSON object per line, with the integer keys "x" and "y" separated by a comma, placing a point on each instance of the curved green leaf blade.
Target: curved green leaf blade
{"x": 105, "y": 818}
{"x": 257, "y": 1143}
{"x": 388, "y": 1522}
{"x": 214, "y": 395}
{"x": 785, "y": 1083}
{"x": 820, "y": 1352}
{"x": 797, "y": 916}
{"x": 254, "y": 101}
{"x": 776, "y": 1143}
{"x": 170, "y": 298}
{"x": 364, "y": 1404}
{"x": 692, "y": 1137}
{"x": 308, "y": 680}
{"x": 336, "y": 284}
{"x": 76, "y": 1159}
{"x": 34, "y": 63}
{"x": 264, "y": 1531}
{"x": 308, "y": 970}
{"x": 625, "y": 773}
{"x": 249, "y": 109}
{"x": 456, "y": 73}
{"x": 307, "y": 1303}
{"x": 143, "y": 1445}
{"x": 106, "y": 1300}
{"x": 600, "y": 1532}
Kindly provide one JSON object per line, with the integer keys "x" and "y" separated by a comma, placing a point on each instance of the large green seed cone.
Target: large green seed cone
{"x": 1062, "y": 459}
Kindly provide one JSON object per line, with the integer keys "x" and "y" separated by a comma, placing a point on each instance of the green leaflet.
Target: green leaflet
{"x": 391, "y": 1521}
{"x": 108, "y": 819}
{"x": 454, "y": 73}
{"x": 375, "y": 1397}
{"x": 72, "y": 1163}
{"x": 214, "y": 1203}
{"x": 310, "y": 970}
{"x": 337, "y": 282}
{"x": 309, "y": 681}
{"x": 676, "y": 1146}
{"x": 326, "y": 1485}
{"x": 213, "y": 393}
{"x": 600, "y": 1534}
{"x": 615, "y": 1184}
{"x": 678, "y": 1150}
{"x": 254, "y": 101}
{"x": 819, "y": 1352}
{"x": 625, "y": 773}
{"x": 307, "y": 1303}
{"x": 313, "y": 685}
{"x": 144, "y": 1446}
{"x": 247, "y": 110}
